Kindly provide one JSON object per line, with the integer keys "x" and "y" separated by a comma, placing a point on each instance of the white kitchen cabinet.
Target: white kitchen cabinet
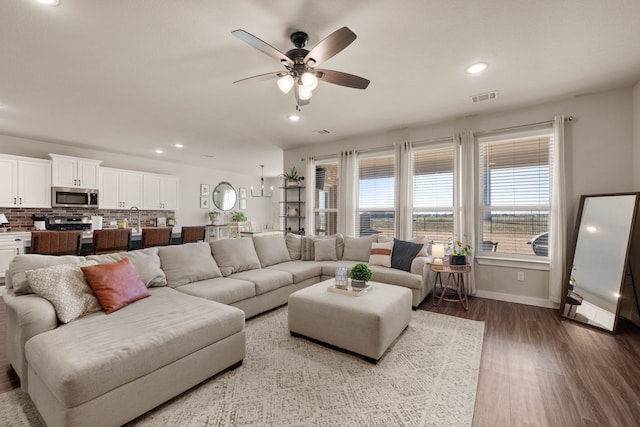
{"x": 76, "y": 172}
{"x": 26, "y": 182}
{"x": 9, "y": 248}
{"x": 160, "y": 192}
{"x": 120, "y": 189}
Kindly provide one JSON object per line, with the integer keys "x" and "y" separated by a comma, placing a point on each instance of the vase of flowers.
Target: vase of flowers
{"x": 360, "y": 275}
{"x": 213, "y": 216}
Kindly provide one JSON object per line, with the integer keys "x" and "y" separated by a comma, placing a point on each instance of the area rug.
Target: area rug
{"x": 428, "y": 377}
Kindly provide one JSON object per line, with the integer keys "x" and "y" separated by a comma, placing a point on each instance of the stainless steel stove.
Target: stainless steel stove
{"x": 61, "y": 223}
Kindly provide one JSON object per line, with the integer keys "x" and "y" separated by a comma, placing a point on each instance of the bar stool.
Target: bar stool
{"x": 111, "y": 240}
{"x": 56, "y": 242}
{"x": 156, "y": 236}
{"x": 193, "y": 234}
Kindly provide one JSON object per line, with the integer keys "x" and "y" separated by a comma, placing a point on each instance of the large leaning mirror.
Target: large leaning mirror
{"x": 595, "y": 278}
{"x": 224, "y": 196}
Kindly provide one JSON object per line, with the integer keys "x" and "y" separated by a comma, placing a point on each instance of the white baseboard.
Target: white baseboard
{"x": 537, "y": 302}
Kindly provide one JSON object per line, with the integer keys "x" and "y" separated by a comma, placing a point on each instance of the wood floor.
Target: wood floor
{"x": 536, "y": 369}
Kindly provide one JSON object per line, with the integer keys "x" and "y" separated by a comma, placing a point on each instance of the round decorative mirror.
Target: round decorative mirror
{"x": 224, "y": 196}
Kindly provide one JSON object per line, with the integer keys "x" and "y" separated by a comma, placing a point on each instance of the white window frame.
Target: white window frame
{"x": 316, "y": 209}
{"x": 371, "y": 154}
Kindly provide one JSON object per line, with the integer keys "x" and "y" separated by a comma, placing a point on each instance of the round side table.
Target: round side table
{"x": 454, "y": 289}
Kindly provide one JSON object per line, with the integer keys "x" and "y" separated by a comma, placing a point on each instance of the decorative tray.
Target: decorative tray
{"x": 352, "y": 292}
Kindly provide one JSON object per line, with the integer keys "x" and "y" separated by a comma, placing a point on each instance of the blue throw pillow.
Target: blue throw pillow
{"x": 403, "y": 254}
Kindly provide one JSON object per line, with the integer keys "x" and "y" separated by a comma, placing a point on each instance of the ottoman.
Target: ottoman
{"x": 366, "y": 324}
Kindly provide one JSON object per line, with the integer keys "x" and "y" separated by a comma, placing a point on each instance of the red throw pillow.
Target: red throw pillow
{"x": 116, "y": 285}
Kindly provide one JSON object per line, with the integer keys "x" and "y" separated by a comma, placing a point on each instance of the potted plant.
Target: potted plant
{"x": 459, "y": 252}
{"x": 291, "y": 178}
{"x": 360, "y": 275}
{"x": 171, "y": 220}
{"x": 238, "y": 216}
{"x": 213, "y": 216}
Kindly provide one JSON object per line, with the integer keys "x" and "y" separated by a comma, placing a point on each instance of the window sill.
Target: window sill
{"x": 529, "y": 264}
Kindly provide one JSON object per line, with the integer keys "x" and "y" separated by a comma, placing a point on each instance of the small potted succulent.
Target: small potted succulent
{"x": 171, "y": 220}
{"x": 458, "y": 252}
{"x": 360, "y": 275}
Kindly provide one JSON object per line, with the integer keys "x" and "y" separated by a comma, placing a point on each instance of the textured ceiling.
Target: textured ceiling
{"x": 132, "y": 76}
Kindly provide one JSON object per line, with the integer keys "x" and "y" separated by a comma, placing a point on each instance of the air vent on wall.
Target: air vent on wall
{"x": 485, "y": 96}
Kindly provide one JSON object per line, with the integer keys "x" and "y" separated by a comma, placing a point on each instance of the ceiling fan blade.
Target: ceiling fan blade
{"x": 342, "y": 79}
{"x": 330, "y": 46}
{"x": 260, "y": 77}
{"x": 262, "y": 46}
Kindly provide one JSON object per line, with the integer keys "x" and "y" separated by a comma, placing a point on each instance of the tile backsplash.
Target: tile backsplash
{"x": 20, "y": 218}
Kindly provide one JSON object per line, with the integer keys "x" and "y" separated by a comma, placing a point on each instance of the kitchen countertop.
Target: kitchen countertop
{"x": 87, "y": 236}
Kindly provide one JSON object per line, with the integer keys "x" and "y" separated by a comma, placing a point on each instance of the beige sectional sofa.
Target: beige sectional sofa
{"x": 190, "y": 328}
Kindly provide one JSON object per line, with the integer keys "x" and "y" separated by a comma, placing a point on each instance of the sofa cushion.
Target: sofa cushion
{"x": 65, "y": 288}
{"x": 235, "y": 255}
{"x": 329, "y": 268}
{"x": 325, "y": 249}
{"x": 396, "y": 277}
{"x": 224, "y": 290}
{"x": 88, "y": 358}
{"x": 116, "y": 285}
{"x": 265, "y": 279}
{"x": 271, "y": 249}
{"x": 294, "y": 246}
{"x": 188, "y": 263}
{"x": 358, "y": 248}
{"x": 300, "y": 270}
{"x": 403, "y": 254}
{"x": 146, "y": 261}
{"x": 22, "y": 263}
{"x": 381, "y": 254}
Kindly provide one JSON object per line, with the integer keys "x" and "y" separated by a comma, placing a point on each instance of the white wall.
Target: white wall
{"x": 189, "y": 212}
{"x": 599, "y": 159}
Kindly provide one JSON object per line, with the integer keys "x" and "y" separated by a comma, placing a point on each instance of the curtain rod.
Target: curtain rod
{"x": 531, "y": 125}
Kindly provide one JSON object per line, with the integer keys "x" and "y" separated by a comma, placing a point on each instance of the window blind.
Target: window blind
{"x": 376, "y": 195}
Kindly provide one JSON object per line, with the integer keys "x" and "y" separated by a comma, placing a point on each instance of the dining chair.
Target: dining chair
{"x": 56, "y": 242}
{"x": 192, "y": 234}
{"x": 111, "y": 240}
{"x": 156, "y": 236}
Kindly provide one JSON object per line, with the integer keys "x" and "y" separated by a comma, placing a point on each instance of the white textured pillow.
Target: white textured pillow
{"x": 381, "y": 254}
{"x": 64, "y": 286}
{"x": 294, "y": 246}
{"x": 235, "y": 255}
{"x": 424, "y": 240}
{"x": 22, "y": 263}
{"x": 325, "y": 249}
{"x": 271, "y": 249}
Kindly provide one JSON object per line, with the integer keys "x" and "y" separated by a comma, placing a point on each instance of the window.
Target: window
{"x": 326, "y": 198}
{"x": 376, "y": 195}
{"x": 433, "y": 192}
{"x": 515, "y": 188}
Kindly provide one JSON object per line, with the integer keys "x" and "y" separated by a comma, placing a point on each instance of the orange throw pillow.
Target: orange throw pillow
{"x": 116, "y": 285}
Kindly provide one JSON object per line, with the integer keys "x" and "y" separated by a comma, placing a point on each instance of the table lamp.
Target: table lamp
{"x": 437, "y": 251}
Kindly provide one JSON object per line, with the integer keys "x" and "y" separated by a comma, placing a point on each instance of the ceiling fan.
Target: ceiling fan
{"x": 299, "y": 63}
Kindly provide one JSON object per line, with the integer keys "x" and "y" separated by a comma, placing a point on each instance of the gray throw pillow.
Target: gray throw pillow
{"x": 21, "y": 263}
{"x": 358, "y": 248}
{"x": 403, "y": 254}
{"x": 187, "y": 263}
{"x": 294, "y": 246}
{"x": 235, "y": 255}
{"x": 325, "y": 249}
{"x": 271, "y": 249}
{"x": 307, "y": 249}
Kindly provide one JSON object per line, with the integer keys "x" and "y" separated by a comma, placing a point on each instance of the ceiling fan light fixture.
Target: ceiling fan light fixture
{"x": 285, "y": 83}
{"x": 309, "y": 81}
{"x": 304, "y": 93}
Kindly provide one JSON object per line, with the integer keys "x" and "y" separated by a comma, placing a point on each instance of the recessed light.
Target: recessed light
{"x": 159, "y": 151}
{"x": 49, "y": 2}
{"x": 178, "y": 145}
{"x": 294, "y": 117}
{"x": 477, "y": 68}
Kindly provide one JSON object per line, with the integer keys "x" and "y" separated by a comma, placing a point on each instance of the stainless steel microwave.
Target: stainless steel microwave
{"x": 74, "y": 197}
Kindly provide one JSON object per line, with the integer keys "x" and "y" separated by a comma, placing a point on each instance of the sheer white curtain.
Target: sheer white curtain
{"x": 404, "y": 190}
{"x": 309, "y": 196}
{"x": 465, "y": 197}
{"x": 347, "y": 193}
{"x": 558, "y": 214}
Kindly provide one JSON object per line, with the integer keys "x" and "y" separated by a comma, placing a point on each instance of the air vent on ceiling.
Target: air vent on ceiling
{"x": 322, "y": 132}
{"x": 485, "y": 96}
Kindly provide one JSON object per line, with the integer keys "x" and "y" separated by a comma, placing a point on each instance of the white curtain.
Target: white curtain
{"x": 347, "y": 193}
{"x": 464, "y": 227}
{"x": 404, "y": 190}
{"x": 309, "y": 197}
{"x": 558, "y": 214}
